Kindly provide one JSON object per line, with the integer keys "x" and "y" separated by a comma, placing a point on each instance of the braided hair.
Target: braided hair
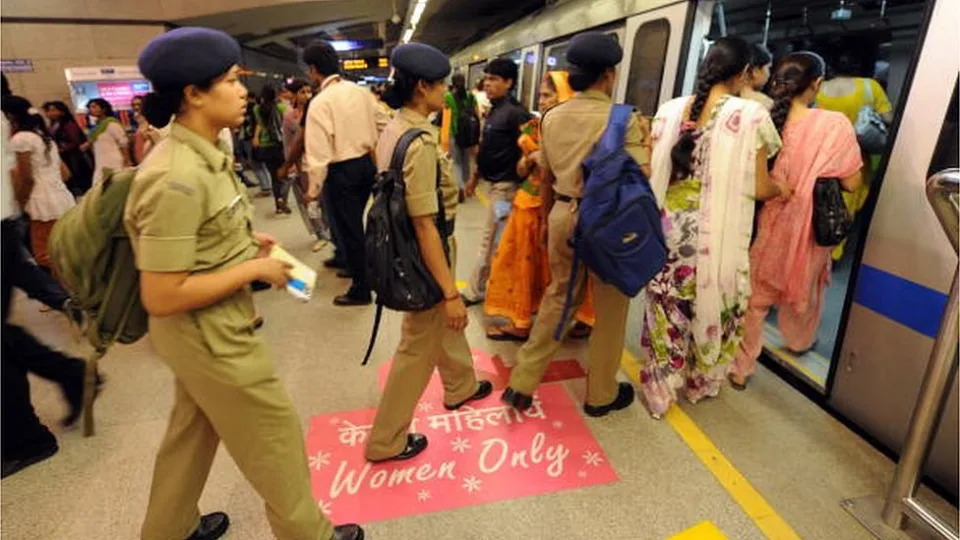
{"x": 727, "y": 58}
{"x": 794, "y": 75}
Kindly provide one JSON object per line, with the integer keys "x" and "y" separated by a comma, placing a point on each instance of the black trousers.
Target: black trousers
{"x": 22, "y": 433}
{"x": 348, "y": 186}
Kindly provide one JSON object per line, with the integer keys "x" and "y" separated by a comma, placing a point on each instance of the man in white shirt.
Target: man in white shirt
{"x": 343, "y": 125}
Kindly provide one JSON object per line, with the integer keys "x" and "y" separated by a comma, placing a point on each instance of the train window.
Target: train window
{"x": 556, "y": 58}
{"x": 475, "y": 74}
{"x": 646, "y": 65}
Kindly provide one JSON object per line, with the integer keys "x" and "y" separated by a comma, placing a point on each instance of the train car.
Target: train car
{"x": 890, "y": 285}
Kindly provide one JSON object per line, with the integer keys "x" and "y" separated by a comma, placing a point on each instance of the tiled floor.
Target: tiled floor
{"x": 800, "y": 459}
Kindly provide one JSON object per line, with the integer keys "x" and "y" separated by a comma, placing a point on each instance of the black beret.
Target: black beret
{"x": 188, "y": 55}
{"x": 421, "y": 60}
{"x": 594, "y": 49}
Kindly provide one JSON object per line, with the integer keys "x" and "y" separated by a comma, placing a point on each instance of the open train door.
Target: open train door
{"x": 900, "y": 285}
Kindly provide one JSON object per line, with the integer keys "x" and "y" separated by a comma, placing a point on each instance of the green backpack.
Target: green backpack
{"x": 94, "y": 260}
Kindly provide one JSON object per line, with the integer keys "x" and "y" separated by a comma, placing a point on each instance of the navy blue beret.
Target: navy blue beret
{"x": 421, "y": 60}
{"x": 188, "y": 55}
{"x": 594, "y": 49}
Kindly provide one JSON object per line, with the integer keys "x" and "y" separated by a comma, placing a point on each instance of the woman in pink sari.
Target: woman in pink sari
{"x": 787, "y": 267}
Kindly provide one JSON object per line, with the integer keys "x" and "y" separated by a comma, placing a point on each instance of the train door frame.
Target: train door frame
{"x": 676, "y": 16}
{"x": 880, "y": 359}
{"x": 530, "y": 61}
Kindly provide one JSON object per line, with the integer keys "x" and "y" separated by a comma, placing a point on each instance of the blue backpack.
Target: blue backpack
{"x": 619, "y": 233}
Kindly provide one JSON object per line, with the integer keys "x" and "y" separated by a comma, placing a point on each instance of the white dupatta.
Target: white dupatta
{"x": 726, "y": 210}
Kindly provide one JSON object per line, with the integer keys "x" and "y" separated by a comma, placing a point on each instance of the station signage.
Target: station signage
{"x": 16, "y": 65}
{"x": 376, "y": 62}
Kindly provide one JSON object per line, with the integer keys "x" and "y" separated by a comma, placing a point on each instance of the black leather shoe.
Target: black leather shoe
{"x": 344, "y": 274}
{"x": 347, "y": 532}
{"x": 416, "y": 443}
{"x": 483, "y": 390}
{"x": 13, "y": 466}
{"x": 212, "y": 526}
{"x": 518, "y": 401}
{"x": 352, "y": 300}
{"x": 625, "y": 397}
{"x": 334, "y": 262}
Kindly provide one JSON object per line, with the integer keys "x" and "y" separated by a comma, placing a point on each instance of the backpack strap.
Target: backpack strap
{"x": 373, "y": 335}
{"x": 568, "y": 300}
{"x": 400, "y": 151}
{"x": 616, "y": 132}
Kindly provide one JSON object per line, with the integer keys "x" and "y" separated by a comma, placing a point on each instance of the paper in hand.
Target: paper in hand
{"x": 302, "y": 277}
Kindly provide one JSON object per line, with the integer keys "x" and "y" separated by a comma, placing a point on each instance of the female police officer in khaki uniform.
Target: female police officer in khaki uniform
{"x": 188, "y": 217}
{"x": 433, "y": 338}
{"x": 569, "y": 133}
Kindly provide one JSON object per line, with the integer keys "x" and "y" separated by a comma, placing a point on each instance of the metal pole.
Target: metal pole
{"x": 940, "y": 369}
{"x": 721, "y": 19}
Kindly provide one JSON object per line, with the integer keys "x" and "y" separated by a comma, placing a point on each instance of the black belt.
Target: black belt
{"x": 565, "y": 198}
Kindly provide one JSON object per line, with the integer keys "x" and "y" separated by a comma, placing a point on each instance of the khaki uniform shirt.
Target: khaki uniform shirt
{"x": 187, "y": 211}
{"x": 571, "y": 130}
{"x": 420, "y": 165}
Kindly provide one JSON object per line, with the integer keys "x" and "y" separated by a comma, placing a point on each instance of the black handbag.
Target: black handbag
{"x": 831, "y": 218}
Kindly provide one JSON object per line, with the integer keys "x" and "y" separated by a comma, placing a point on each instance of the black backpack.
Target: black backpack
{"x": 468, "y": 127}
{"x": 395, "y": 269}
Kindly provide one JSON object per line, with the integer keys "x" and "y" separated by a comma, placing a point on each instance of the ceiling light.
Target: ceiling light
{"x": 417, "y": 13}
{"x": 407, "y": 35}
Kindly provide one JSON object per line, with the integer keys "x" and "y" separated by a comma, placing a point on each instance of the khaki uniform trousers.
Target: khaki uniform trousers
{"x": 227, "y": 389}
{"x": 426, "y": 343}
{"x": 477, "y": 286}
{"x": 606, "y": 340}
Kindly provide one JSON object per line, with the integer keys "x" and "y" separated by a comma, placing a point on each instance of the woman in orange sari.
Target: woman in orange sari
{"x": 520, "y": 273}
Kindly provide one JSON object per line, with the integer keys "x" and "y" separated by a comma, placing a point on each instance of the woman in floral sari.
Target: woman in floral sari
{"x": 787, "y": 267}
{"x": 709, "y": 166}
{"x": 520, "y": 273}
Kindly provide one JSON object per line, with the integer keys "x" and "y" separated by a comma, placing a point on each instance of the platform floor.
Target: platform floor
{"x": 778, "y": 465}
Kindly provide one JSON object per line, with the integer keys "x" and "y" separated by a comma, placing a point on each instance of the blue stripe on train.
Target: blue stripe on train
{"x": 910, "y": 304}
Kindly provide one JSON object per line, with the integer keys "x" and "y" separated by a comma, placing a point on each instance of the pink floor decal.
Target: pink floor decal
{"x": 481, "y": 453}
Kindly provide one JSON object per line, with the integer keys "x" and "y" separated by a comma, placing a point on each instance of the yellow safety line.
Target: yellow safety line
{"x": 702, "y": 531}
{"x": 753, "y": 504}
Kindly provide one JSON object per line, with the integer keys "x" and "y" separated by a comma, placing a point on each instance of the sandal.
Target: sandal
{"x": 739, "y": 387}
{"x": 499, "y": 334}
{"x": 580, "y": 331}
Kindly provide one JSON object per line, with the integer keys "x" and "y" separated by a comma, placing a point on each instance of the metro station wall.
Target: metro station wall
{"x": 54, "y": 47}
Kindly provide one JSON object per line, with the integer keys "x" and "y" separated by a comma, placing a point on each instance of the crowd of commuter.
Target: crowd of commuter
{"x": 754, "y": 130}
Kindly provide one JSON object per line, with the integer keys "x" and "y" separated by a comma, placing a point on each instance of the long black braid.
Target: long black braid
{"x": 727, "y": 58}
{"x": 793, "y": 76}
